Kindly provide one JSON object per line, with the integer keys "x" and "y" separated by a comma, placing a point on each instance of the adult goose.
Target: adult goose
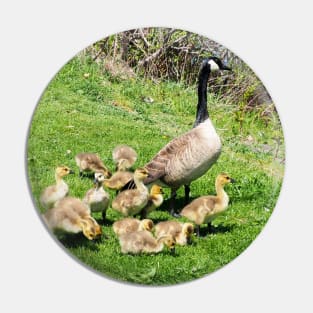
{"x": 189, "y": 156}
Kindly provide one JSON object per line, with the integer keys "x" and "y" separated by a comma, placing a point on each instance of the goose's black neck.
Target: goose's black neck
{"x": 202, "y": 108}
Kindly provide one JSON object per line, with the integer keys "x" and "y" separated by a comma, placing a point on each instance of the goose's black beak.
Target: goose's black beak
{"x": 232, "y": 180}
{"x": 226, "y": 68}
{"x": 72, "y": 172}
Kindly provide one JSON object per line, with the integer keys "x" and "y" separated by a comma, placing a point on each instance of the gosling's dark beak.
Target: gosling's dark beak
{"x": 94, "y": 181}
{"x": 72, "y": 172}
{"x": 97, "y": 238}
{"x": 189, "y": 240}
{"x": 232, "y": 180}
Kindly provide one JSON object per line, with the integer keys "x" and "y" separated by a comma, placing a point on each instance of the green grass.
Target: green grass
{"x": 94, "y": 114}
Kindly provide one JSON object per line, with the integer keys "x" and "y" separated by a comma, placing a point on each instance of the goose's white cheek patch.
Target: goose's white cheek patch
{"x": 214, "y": 66}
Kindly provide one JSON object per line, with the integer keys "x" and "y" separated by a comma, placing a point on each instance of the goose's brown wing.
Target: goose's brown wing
{"x": 158, "y": 165}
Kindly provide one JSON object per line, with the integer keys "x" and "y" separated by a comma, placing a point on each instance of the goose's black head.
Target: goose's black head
{"x": 215, "y": 64}
{"x": 208, "y": 65}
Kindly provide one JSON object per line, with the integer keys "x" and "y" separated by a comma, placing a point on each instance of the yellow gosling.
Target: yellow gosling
{"x": 53, "y": 193}
{"x": 72, "y": 216}
{"x": 91, "y": 163}
{"x": 130, "y": 224}
{"x": 131, "y": 202}
{"x": 181, "y": 232}
{"x": 144, "y": 242}
{"x": 154, "y": 201}
{"x": 97, "y": 198}
{"x": 124, "y": 157}
{"x": 205, "y": 209}
{"x": 119, "y": 179}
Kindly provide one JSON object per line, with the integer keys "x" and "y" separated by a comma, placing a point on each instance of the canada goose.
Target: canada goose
{"x": 130, "y": 224}
{"x": 206, "y": 208}
{"x": 189, "y": 156}
{"x": 53, "y": 193}
{"x": 155, "y": 200}
{"x": 97, "y": 198}
{"x": 143, "y": 241}
{"x": 131, "y": 202}
{"x": 124, "y": 157}
{"x": 181, "y": 232}
{"x": 91, "y": 162}
{"x": 73, "y": 216}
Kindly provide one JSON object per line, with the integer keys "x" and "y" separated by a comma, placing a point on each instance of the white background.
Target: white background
{"x": 275, "y": 39}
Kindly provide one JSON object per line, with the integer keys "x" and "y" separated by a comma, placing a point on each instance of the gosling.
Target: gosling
{"x": 124, "y": 157}
{"x": 120, "y": 178}
{"x": 91, "y": 163}
{"x": 205, "y": 209}
{"x": 132, "y": 201}
{"x": 129, "y": 225}
{"x": 154, "y": 201}
{"x": 52, "y": 194}
{"x": 70, "y": 215}
{"x": 181, "y": 232}
{"x": 76, "y": 205}
{"x": 144, "y": 242}
{"x": 97, "y": 199}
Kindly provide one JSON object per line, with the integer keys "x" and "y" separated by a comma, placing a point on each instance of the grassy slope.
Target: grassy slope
{"x": 96, "y": 113}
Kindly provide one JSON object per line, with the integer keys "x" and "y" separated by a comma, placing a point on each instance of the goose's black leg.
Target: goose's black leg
{"x": 198, "y": 230}
{"x": 103, "y": 216}
{"x": 172, "y": 203}
{"x": 143, "y": 214}
{"x": 210, "y": 228}
{"x": 187, "y": 194}
{"x": 189, "y": 240}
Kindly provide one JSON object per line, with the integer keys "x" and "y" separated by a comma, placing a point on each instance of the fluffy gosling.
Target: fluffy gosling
{"x": 130, "y": 224}
{"x": 205, "y": 209}
{"x": 97, "y": 198}
{"x": 91, "y": 163}
{"x": 143, "y": 242}
{"x": 154, "y": 201}
{"x": 119, "y": 179}
{"x": 131, "y": 202}
{"x": 124, "y": 157}
{"x": 181, "y": 232}
{"x": 53, "y": 193}
{"x": 72, "y": 216}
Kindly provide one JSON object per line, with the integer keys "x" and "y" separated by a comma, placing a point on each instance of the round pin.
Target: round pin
{"x": 155, "y": 156}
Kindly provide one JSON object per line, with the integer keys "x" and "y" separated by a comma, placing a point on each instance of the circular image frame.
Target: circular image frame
{"x": 131, "y": 88}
